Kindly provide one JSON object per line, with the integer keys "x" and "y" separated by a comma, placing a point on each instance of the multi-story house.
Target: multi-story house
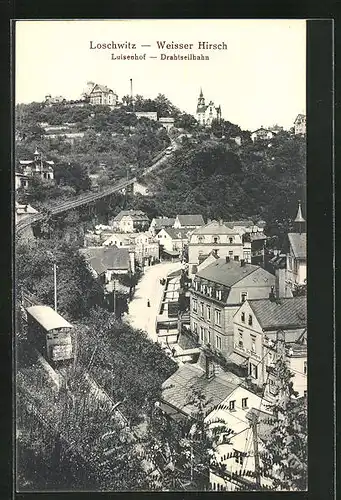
{"x": 130, "y": 221}
{"x": 37, "y": 167}
{"x": 262, "y": 134}
{"x": 300, "y": 124}
{"x": 106, "y": 262}
{"x": 173, "y": 241}
{"x": 228, "y": 402}
{"x": 217, "y": 292}
{"x": 159, "y": 223}
{"x": 218, "y": 236}
{"x": 265, "y": 329}
{"x": 101, "y": 94}
{"x": 144, "y": 245}
{"x": 188, "y": 221}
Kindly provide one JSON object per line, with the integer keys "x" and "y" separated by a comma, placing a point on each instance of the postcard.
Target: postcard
{"x": 160, "y": 255}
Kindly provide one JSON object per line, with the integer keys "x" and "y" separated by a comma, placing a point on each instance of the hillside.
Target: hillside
{"x": 209, "y": 174}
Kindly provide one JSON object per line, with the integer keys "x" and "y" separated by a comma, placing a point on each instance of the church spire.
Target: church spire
{"x": 299, "y": 221}
{"x": 201, "y": 100}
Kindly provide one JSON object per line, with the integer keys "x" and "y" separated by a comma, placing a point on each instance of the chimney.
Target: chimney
{"x": 242, "y": 263}
{"x": 209, "y": 371}
{"x": 280, "y": 286}
{"x": 227, "y": 259}
{"x": 209, "y": 221}
{"x": 272, "y": 295}
{"x": 221, "y": 222}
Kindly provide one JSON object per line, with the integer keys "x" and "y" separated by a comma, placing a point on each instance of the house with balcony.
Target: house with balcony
{"x": 226, "y": 400}
{"x": 217, "y": 292}
{"x": 130, "y": 221}
{"x": 269, "y": 328}
{"x": 38, "y": 167}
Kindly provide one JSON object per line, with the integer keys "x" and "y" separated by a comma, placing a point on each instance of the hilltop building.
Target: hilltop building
{"x": 206, "y": 113}
{"x": 262, "y": 134}
{"x": 36, "y": 167}
{"x": 300, "y": 124}
{"x": 100, "y": 95}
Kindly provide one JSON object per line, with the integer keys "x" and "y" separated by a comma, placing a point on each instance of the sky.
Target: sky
{"x": 260, "y": 79}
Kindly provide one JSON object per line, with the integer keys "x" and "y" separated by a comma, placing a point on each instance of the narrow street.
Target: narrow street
{"x": 140, "y": 315}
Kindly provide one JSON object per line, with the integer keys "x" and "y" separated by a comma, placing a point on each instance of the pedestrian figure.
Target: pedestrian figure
{"x": 148, "y": 303}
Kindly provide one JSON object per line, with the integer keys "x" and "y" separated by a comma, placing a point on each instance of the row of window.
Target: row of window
{"x": 207, "y": 316}
{"x": 205, "y": 336}
{"x": 214, "y": 239}
{"x": 241, "y": 341}
{"x": 232, "y": 404}
{"x": 207, "y": 290}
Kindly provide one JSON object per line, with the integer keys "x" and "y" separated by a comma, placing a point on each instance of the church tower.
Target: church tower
{"x": 201, "y": 100}
{"x": 299, "y": 221}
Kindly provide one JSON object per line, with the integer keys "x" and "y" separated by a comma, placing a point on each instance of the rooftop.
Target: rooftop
{"x": 191, "y": 220}
{"x": 285, "y": 313}
{"x": 134, "y": 214}
{"x": 298, "y": 243}
{"x": 178, "y": 388}
{"x": 48, "y": 318}
{"x": 228, "y": 273}
{"x": 103, "y": 259}
{"x": 161, "y": 222}
{"x": 177, "y": 234}
{"x": 214, "y": 227}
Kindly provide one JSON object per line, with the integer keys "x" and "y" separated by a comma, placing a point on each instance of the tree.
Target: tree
{"x": 185, "y": 448}
{"x": 285, "y": 457}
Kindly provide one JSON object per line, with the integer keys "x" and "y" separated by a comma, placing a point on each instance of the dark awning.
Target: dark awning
{"x": 173, "y": 253}
{"x": 238, "y": 359}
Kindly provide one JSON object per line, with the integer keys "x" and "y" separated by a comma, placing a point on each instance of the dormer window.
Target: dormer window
{"x": 216, "y": 239}
{"x": 230, "y": 240}
{"x": 201, "y": 239}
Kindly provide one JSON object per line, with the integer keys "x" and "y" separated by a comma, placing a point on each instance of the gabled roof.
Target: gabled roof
{"x": 177, "y": 389}
{"x": 134, "y": 214}
{"x": 298, "y": 243}
{"x": 103, "y": 259}
{"x": 24, "y": 209}
{"x": 177, "y": 234}
{"x": 191, "y": 220}
{"x": 228, "y": 273}
{"x": 286, "y": 313}
{"x": 161, "y": 222}
{"x": 48, "y": 318}
{"x": 299, "y": 118}
{"x": 263, "y": 130}
{"x": 214, "y": 227}
{"x": 101, "y": 88}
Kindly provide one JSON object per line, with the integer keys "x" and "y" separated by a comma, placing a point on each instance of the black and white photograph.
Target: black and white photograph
{"x": 160, "y": 258}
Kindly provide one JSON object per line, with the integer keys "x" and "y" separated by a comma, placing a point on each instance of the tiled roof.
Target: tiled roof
{"x": 177, "y": 234}
{"x": 191, "y": 220}
{"x": 103, "y": 259}
{"x": 135, "y": 214}
{"x": 101, "y": 88}
{"x": 288, "y": 312}
{"x": 214, "y": 227}
{"x": 177, "y": 389}
{"x": 257, "y": 236}
{"x": 227, "y": 273}
{"x": 246, "y": 223}
{"x": 295, "y": 335}
{"x": 298, "y": 242}
{"x": 161, "y": 222}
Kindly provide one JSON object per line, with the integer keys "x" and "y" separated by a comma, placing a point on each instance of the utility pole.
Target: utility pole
{"x": 114, "y": 298}
{"x": 55, "y": 285}
{"x": 254, "y": 424}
